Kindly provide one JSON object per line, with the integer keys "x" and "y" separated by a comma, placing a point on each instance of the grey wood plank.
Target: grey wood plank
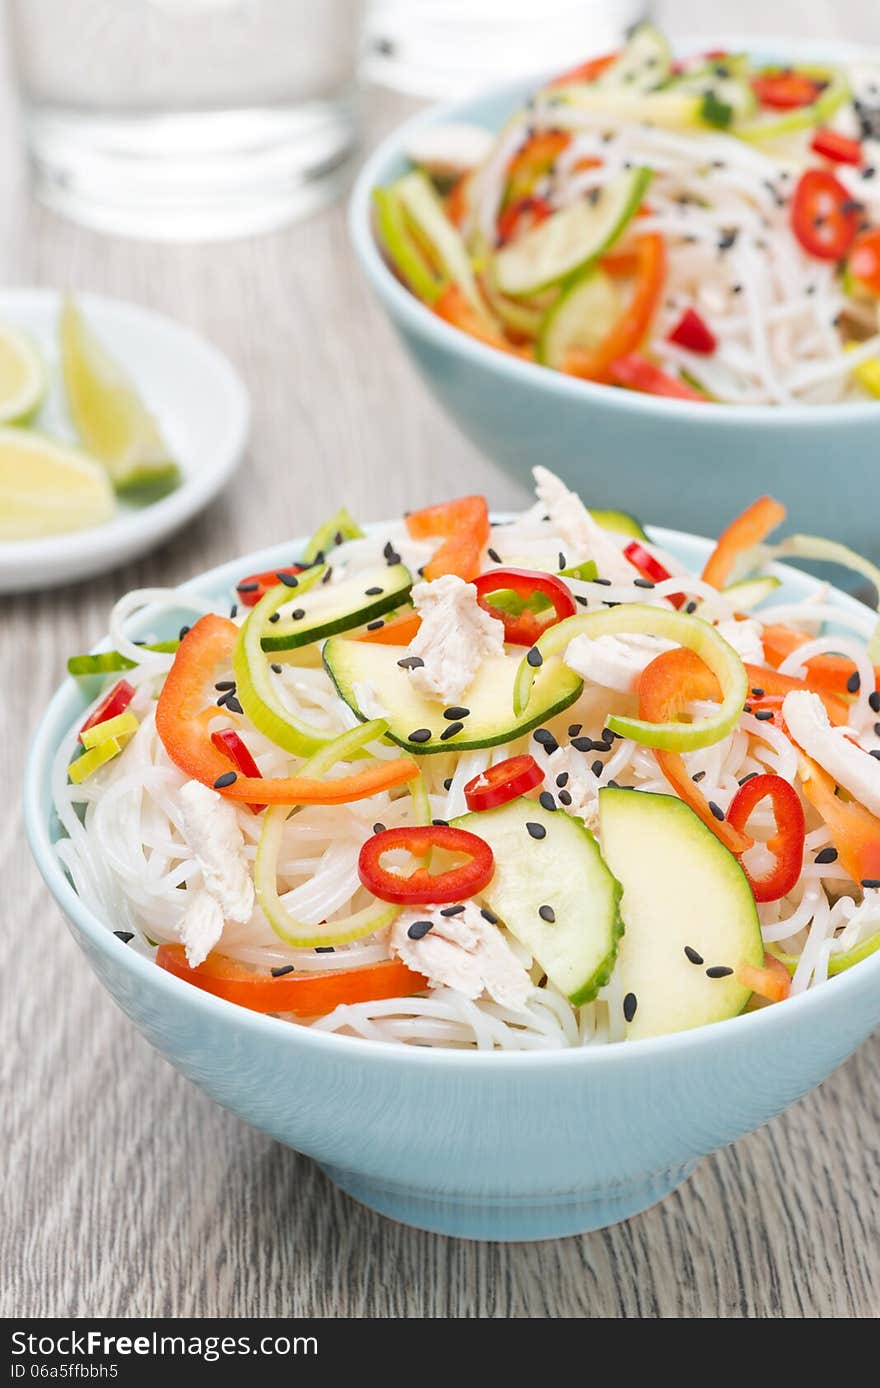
{"x": 125, "y": 1190}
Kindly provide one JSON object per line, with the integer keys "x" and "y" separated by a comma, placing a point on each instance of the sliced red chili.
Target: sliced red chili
{"x": 651, "y": 568}
{"x": 521, "y": 216}
{"x": 864, "y": 261}
{"x": 423, "y": 887}
{"x": 693, "y": 332}
{"x": 786, "y": 844}
{"x": 114, "y": 703}
{"x": 840, "y": 149}
{"x": 824, "y": 216}
{"x": 636, "y": 372}
{"x": 228, "y": 741}
{"x": 255, "y": 586}
{"x": 506, "y": 781}
{"x": 524, "y": 628}
{"x": 785, "y": 90}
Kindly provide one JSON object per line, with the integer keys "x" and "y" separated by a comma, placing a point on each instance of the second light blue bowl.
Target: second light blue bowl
{"x": 691, "y": 466}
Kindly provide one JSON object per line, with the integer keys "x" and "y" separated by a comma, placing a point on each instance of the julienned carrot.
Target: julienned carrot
{"x": 854, "y": 830}
{"x": 772, "y": 982}
{"x": 398, "y": 633}
{"x": 831, "y": 673}
{"x": 748, "y": 530}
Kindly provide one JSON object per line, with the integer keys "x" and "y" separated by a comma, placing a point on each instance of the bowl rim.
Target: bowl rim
{"x": 419, "y": 319}
{"x": 763, "y": 1023}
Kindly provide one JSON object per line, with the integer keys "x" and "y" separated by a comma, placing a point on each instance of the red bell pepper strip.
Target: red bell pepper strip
{"x": 183, "y": 715}
{"x": 666, "y": 686}
{"x": 823, "y": 215}
{"x": 748, "y": 530}
{"x": 520, "y": 216}
{"x": 422, "y": 887}
{"x": 840, "y": 149}
{"x": 826, "y": 674}
{"x": 463, "y": 526}
{"x": 227, "y": 740}
{"x": 453, "y": 306}
{"x": 506, "y": 781}
{"x": 636, "y": 372}
{"x": 532, "y": 161}
{"x": 456, "y": 201}
{"x": 304, "y": 994}
{"x": 786, "y": 844}
{"x": 585, "y": 72}
{"x": 255, "y": 586}
{"x": 772, "y": 982}
{"x": 784, "y": 90}
{"x": 651, "y": 568}
{"x": 114, "y": 703}
{"x": 864, "y": 261}
{"x": 854, "y": 830}
{"x": 397, "y": 633}
{"x": 524, "y": 628}
{"x": 627, "y": 333}
{"x": 776, "y": 686}
{"x": 693, "y": 332}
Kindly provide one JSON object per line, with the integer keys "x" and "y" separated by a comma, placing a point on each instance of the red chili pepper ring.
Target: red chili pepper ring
{"x": 423, "y": 887}
{"x": 786, "y": 845}
{"x": 524, "y": 628}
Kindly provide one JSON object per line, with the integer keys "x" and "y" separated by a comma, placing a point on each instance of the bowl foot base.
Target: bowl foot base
{"x": 513, "y": 1219}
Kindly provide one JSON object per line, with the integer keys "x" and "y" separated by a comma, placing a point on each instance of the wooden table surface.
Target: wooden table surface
{"x": 125, "y": 1191}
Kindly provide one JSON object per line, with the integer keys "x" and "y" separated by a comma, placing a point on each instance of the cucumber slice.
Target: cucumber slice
{"x": 773, "y": 125}
{"x": 645, "y": 62}
{"x": 333, "y": 607}
{"x": 352, "y": 664}
{"x": 425, "y": 215}
{"x": 581, "y": 317}
{"x": 571, "y": 239}
{"x": 335, "y": 531}
{"x": 669, "y": 109}
{"x": 107, "y": 662}
{"x": 619, "y": 523}
{"x": 520, "y": 316}
{"x": 722, "y": 90}
{"x": 564, "y": 870}
{"x": 400, "y": 247}
{"x": 682, "y": 889}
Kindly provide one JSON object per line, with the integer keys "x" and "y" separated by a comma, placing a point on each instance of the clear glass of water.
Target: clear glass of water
{"x": 187, "y": 119}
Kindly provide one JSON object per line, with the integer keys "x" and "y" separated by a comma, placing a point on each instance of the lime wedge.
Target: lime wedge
{"x": 47, "y": 489}
{"x": 22, "y": 377}
{"x": 112, "y": 420}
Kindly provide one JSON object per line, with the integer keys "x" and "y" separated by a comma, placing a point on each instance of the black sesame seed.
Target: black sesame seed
{"x": 227, "y": 779}
{"x": 537, "y": 831}
{"x": 719, "y": 971}
{"x": 535, "y": 658}
{"x": 280, "y": 972}
{"x": 378, "y": 827}
{"x": 854, "y": 682}
{"x": 561, "y": 560}
{"x": 276, "y": 617}
{"x": 289, "y": 580}
{"x": 390, "y": 553}
{"x": 225, "y": 684}
{"x": 546, "y": 800}
{"x": 447, "y": 784}
{"x": 325, "y": 949}
{"x": 875, "y": 753}
{"x": 124, "y": 935}
{"x": 597, "y": 767}
{"x": 750, "y": 777}
{"x": 764, "y": 715}
{"x": 453, "y": 910}
{"x": 614, "y": 785}
{"x": 579, "y": 598}
{"x": 488, "y": 915}
{"x": 247, "y": 587}
{"x": 233, "y": 705}
{"x": 298, "y": 613}
{"x": 643, "y": 583}
{"x": 545, "y": 738}
{"x": 630, "y": 1003}
{"x": 727, "y": 238}
{"x": 494, "y": 556}
{"x": 275, "y": 668}
{"x": 827, "y": 855}
{"x": 608, "y": 735}
{"x": 582, "y": 744}
{"x": 562, "y": 779}
{"x": 601, "y": 746}
{"x": 877, "y": 729}
{"x": 574, "y": 729}
{"x": 716, "y": 810}
{"x": 697, "y": 777}
{"x": 419, "y": 929}
{"x": 456, "y": 712}
{"x": 565, "y": 797}
{"x": 420, "y": 735}
{"x": 691, "y": 606}
{"x": 758, "y": 693}
{"x": 338, "y": 538}
{"x": 874, "y": 700}
{"x": 692, "y": 955}
{"x": 183, "y": 632}
{"x": 233, "y": 611}
{"x": 870, "y": 882}
{"x": 441, "y": 823}
{"x": 375, "y": 626}
{"x": 411, "y": 662}
{"x": 328, "y": 574}
{"x": 747, "y": 708}
{"x": 451, "y": 731}
{"x": 868, "y": 172}
{"x": 603, "y": 582}
{"x": 547, "y": 914}
{"x": 373, "y": 592}
{"x": 319, "y": 557}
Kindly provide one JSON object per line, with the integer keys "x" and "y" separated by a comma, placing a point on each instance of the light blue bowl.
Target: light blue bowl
{"x": 487, "y": 1146}
{"x": 677, "y": 463}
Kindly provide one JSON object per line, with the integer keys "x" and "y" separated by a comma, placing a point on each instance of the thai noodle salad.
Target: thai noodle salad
{"x": 702, "y": 229}
{"x": 517, "y": 784}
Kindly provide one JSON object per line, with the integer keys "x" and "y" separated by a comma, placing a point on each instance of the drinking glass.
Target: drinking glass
{"x": 186, "y": 119}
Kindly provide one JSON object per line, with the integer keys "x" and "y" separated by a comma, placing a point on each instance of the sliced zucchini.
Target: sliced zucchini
{"x": 689, "y": 914}
{"x": 571, "y": 239}
{"x": 645, "y": 62}
{"x": 106, "y": 662}
{"x": 554, "y": 893}
{"x": 401, "y": 249}
{"x": 518, "y": 315}
{"x": 581, "y": 317}
{"x": 427, "y": 219}
{"x": 718, "y": 90}
{"x": 669, "y": 109}
{"x": 332, "y": 533}
{"x": 332, "y": 607}
{"x": 775, "y": 125}
{"x": 355, "y": 666}
{"x": 619, "y": 523}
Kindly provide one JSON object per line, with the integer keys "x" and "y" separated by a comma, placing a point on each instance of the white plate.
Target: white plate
{"x": 198, "y": 398}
